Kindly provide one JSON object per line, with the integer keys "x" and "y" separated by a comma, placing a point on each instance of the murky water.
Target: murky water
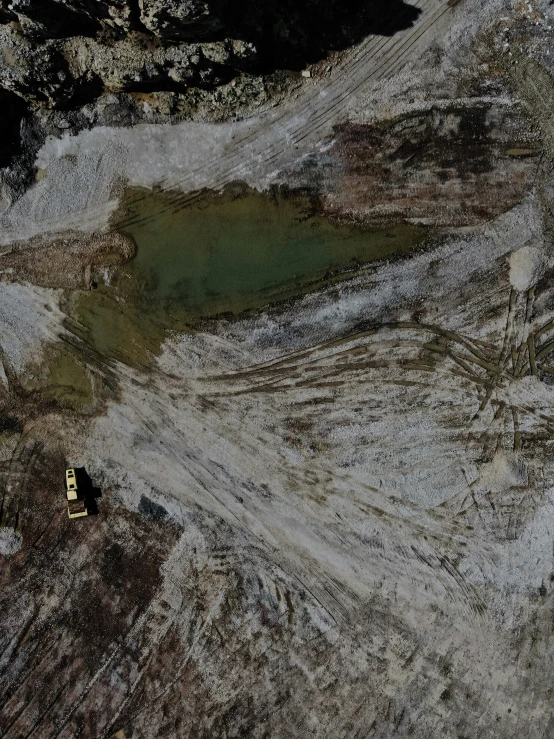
{"x": 220, "y": 253}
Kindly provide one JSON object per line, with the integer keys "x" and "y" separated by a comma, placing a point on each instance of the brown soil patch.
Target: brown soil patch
{"x": 449, "y": 167}
{"x": 70, "y": 261}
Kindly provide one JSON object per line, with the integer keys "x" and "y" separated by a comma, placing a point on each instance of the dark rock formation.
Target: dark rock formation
{"x": 180, "y": 19}
{"x": 59, "y": 52}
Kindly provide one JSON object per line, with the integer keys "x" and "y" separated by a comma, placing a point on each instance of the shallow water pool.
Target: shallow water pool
{"x": 205, "y": 254}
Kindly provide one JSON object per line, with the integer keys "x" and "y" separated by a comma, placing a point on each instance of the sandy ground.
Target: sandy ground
{"x": 333, "y": 518}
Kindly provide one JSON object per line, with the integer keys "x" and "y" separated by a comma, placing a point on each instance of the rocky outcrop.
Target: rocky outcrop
{"x": 62, "y": 72}
{"x": 59, "y": 52}
{"x": 180, "y": 19}
{"x": 36, "y": 72}
{"x": 62, "y": 18}
{"x": 135, "y": 63}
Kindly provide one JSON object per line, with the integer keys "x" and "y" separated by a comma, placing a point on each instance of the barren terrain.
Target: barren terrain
{"x": 327, "y": 515}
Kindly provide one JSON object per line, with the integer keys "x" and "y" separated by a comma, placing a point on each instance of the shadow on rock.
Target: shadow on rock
{"x": 289, "y": 35}
{"x": 14, "y": 109}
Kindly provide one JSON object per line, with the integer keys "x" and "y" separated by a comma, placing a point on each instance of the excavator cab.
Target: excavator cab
{"x": 76, "y": 506}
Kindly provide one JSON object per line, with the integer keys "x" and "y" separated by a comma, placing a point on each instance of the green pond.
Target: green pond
{"x": 207, "y": 254}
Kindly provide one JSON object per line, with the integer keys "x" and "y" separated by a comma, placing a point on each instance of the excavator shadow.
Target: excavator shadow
{"x": 87, "y": 489}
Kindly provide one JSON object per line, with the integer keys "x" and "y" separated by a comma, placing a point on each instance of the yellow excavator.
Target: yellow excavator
{"x": 76, "y": 506}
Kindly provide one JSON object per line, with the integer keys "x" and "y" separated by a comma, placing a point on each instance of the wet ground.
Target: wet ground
{"x": 211, "y": 254}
